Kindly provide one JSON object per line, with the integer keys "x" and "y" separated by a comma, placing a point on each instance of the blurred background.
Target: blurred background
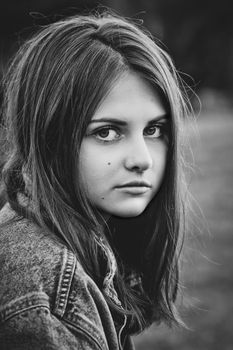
{"x": 198, "y": 34}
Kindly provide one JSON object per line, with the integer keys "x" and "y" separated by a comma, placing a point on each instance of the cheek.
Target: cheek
{"x": 163, "y": 160}
{"x": 90, "y": 170}
{"x": 94, "y": 168}
{"x": 160, "y": 158}
{"x": 96, "y": 178}
{"x": 159, "y": 167}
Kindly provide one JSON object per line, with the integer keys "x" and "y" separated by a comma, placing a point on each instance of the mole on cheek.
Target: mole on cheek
{"x": 102, "y": 197}
{"x": 109, "y": 163}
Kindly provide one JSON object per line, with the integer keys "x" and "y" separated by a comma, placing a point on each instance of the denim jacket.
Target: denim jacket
{"x": 47, "y": 301}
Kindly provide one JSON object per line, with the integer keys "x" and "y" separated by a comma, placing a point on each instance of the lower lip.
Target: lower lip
{"x": 134, "y": 190}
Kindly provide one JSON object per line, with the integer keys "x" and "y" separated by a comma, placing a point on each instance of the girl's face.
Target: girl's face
{"x": 123, "y": 154}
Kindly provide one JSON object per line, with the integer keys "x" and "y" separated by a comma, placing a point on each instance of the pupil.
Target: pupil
{"x": 104, "y": 133}
{"x": 151, "y": 130}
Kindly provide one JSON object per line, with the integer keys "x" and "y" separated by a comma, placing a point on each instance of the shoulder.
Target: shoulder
{"x": 40, "y": 276}
{"x": 31, "y": 258}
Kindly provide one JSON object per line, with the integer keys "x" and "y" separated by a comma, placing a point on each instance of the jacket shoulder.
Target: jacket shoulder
{"x": 35, "y": 266}
{"x": 34, "y": 326}
{"x": 31, "y": 259}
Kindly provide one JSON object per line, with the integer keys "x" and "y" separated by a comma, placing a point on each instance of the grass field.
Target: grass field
{"x": 208, "y": 260}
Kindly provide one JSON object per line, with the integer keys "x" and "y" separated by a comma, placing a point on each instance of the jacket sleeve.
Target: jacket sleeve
{"x": 38, "y": 329}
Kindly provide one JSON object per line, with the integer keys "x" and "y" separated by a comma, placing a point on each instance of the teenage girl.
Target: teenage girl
{"x": 90, "y": 233}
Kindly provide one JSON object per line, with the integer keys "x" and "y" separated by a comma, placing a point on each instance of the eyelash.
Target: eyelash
{"x": 106, "y": 128}
{"x": 161, "y": 127}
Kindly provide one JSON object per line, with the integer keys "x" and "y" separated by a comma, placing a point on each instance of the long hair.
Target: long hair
{"x": 53, "y": 87}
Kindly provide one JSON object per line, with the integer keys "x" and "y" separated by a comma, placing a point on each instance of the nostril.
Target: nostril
{"x": 137, "y": 169}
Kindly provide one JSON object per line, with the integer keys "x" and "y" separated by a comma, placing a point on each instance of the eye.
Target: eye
{"x": 154, "y": 131}
{"x": 107, "y": 134}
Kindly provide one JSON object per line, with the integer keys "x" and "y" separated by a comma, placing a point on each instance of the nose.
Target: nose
{"x": 137, "y": 156}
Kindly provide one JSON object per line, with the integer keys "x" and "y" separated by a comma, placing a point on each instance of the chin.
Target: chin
{"x": 128, "y": 208}
{"x": 128, "y": 212}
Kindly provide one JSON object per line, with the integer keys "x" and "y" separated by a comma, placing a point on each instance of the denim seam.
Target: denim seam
{"x": 25, "y": 309}
{"x": 29, "y": 301}
{"x": 88, "y": 334}
{"x": 68, "y": 268}
{"x": 80, "y": 322}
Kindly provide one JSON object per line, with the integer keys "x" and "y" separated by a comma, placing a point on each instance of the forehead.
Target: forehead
{"x": 129, "y": 97}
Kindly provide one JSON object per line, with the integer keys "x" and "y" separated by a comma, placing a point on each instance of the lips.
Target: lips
{"x": 135, "y": 184}
{"x": 134, "y": 188}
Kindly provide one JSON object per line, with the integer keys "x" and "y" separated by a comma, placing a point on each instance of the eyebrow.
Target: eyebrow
{"x": 124, "y": 123}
